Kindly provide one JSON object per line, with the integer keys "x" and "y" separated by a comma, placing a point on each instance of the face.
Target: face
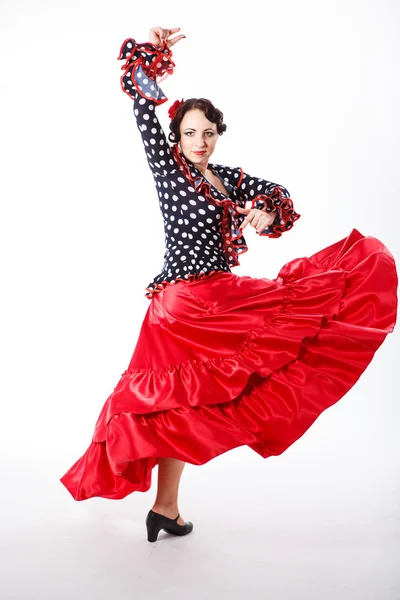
{"x": 198, "y": 135}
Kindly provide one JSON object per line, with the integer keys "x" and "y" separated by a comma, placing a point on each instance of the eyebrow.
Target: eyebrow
{"x": 192, "y": 129}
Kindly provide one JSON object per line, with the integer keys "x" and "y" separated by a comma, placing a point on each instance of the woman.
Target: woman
{"x": 221, "y": 360}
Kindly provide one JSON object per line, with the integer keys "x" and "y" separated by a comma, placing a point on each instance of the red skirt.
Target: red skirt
{"x": 230, "y": 360}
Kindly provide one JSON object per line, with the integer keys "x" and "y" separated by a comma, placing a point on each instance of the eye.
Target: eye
{"x": 189, "y": 133}
{"x": 210, "y": 133}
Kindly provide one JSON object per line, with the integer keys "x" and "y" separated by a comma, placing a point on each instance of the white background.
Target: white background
{"x": 310, "y": 95}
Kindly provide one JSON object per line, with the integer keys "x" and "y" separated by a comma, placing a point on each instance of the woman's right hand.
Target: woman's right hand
{"x": 158, "y": 35}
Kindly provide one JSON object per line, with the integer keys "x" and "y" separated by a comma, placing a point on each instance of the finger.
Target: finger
{"x": 158, "y": 32}
{"x": 250, "y": 216}
{"x": 259, "y": 221}
{"x": 174, "y": 30}
{"x": 263, "y": 225}
{"x": 245, "y": 222}
{"x": 175, "y": 39}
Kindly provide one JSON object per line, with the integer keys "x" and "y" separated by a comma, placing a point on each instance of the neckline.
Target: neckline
{"x": 223, "y": 183}
{"x": 210, "y": 166}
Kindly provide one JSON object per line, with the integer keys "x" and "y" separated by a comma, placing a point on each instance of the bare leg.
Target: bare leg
{"x": 169, "y": 475}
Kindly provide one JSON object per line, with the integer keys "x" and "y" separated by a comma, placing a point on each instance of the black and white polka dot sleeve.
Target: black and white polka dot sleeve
{"x": 146, "y": 66}
{"x": 268, "y": 197}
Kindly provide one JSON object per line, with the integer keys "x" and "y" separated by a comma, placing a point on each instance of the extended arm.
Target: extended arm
{"x": 145, "y": 66}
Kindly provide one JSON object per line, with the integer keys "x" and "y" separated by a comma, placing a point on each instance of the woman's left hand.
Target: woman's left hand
{"x": 256, "y": 217}
{"x": 158, "y": 35}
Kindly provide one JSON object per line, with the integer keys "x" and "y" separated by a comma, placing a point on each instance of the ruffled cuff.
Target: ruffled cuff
{"x": 145, "y": 66}
{"x": 286, "y": 215}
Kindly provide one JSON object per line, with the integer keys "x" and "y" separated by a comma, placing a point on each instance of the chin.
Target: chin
{"x": 196, "y": 159}
{"x": 203, "y": 157}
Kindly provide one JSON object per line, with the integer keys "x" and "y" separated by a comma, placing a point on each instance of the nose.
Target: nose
{"x": 200, "y": 142}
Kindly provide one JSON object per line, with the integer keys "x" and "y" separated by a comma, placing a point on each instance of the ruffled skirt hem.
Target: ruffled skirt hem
{"x": 232, "y": 361}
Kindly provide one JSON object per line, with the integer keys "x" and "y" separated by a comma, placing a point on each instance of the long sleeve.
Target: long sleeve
{"x": 145, "y": 67}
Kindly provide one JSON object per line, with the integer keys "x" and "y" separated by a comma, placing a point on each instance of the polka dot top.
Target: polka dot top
{"x": 201, "y": 224}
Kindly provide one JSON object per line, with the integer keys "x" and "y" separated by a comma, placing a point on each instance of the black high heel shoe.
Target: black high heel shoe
{"x": 155, "y": 522}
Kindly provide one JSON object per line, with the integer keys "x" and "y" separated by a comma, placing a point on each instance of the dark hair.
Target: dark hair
{"x": 211, "y": 113}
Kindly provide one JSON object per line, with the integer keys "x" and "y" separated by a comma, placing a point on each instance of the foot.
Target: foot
{"x": 169, "y": 512}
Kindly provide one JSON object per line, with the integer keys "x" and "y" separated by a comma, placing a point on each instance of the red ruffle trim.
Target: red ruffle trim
{"x": 158, "y": 287}
{"x": 230, "y": 216}
{"x": 284, "y": 208}
{"x": 161, "y": 64}
{"x": 231, "y": 231}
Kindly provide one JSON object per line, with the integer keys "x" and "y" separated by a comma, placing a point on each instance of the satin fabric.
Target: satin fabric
{"x": 233, "y": 360}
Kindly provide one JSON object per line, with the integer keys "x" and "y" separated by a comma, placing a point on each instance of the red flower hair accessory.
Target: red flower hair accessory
{"x": 172, "y": 109}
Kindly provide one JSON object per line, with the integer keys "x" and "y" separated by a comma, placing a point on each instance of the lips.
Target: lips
{"x": 199, "y": 153}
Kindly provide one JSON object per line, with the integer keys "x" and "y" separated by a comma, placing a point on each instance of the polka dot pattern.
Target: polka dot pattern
{"x": 201, "y": 224}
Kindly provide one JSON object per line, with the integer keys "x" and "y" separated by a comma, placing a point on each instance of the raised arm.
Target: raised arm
{"x": 146, "y": 65}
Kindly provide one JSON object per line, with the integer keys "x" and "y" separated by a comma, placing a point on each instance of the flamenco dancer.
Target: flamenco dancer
{"x": 223, "y": 360}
